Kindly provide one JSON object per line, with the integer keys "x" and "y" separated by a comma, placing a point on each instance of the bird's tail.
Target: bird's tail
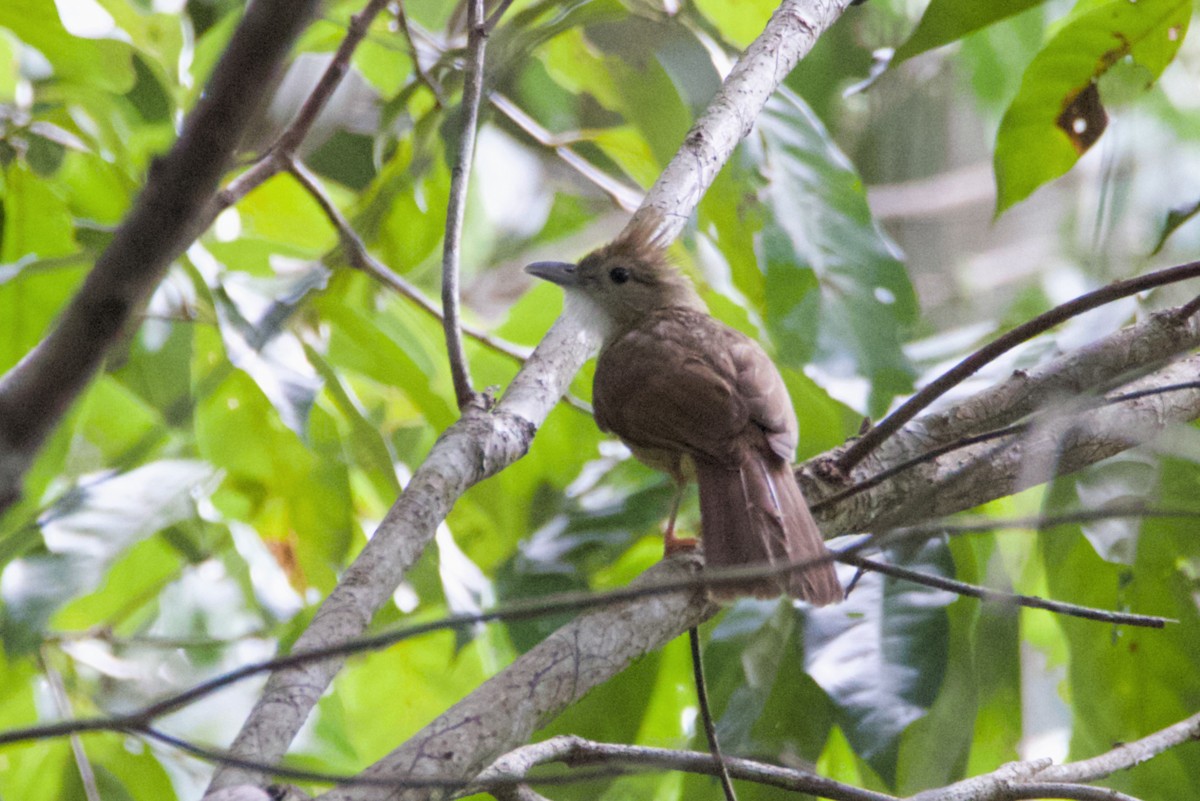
{"x": 755, "y": 514}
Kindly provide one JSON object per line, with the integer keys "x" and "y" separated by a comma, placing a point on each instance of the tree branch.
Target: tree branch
{"x": 508, "y": 708}
{"x": 962, "y": 481}
{"x": 1125, "y": 755}
{"x": 1022, "y": 333}
{"x": 36, "y": 393}
{"x": 576, "y": 751}
{"x": 968, "y": 476}
{"x": 460, "y": 174}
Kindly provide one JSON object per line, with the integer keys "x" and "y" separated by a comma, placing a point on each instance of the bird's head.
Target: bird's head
{"x": 616, "y": 286}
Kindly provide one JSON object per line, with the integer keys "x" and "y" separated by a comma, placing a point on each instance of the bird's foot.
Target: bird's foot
{"x": 673, "y": 545}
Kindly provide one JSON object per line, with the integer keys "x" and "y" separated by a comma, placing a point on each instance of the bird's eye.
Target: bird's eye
{"x": 619, "y": 275}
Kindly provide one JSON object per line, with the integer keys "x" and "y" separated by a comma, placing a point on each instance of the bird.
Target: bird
{"x": 701, "y": 401}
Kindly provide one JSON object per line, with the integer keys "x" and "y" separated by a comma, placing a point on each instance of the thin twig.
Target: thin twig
{"x": 1022, "y": 333}
{"x": 710, "y": 728}
{"x": 494, "y": 18}
{"x": 554, "y": 604}
{"x": 422, "y": 76}
{"x": 222, "y": 757}
{"x": 460, "y": 174}
{"x": 999, "y": 596}
{"x": 360, "y": 258}
{"x": 1188, "y": 309}
{"x": 626, "y": 197}
{"x": 280, "y": 154}
{"x": 87, "y": 775}
{"x": 1073, "y": 792}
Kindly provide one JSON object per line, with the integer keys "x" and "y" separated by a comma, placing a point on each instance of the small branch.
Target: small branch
{"x": 626, "y": 197}
{"x": 460, "y": 176}
{"x": 1011, "y": 431}
{"x": 1188, "y": 309}
{"x": 1022, "y": 333}
{"x": 1016, "y": 780}
{"x": 423, "y": 77}
{"x": 1163, "y": 335}
{"x": 999, "y": 596}
{"x": 280, "y": 155}
{"x": 897, "y": 469}
{"x": 1125, "y": 755}
{"x": 710, "y": 728}
{"x": 494, "y": 18}
{"x": 661, "y": 580}
{"x": 575, "y": 751}
{"x": 87, "y": 776}
{"x": 978, "y": 473}
{"x": 360, "y": 258}
{"x": 1039, "y": 522}
{"x": 1075, "y": 792}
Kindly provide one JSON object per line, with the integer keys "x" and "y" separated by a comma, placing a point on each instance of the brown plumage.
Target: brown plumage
{"x": 697, "y": 399}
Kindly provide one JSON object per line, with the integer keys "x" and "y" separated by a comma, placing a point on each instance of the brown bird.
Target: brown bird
{"x": 698, "y": 400}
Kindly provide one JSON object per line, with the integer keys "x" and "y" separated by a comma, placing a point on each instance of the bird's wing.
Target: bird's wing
{"x": 685, "y": 382}
{"x": 766, "y": 397}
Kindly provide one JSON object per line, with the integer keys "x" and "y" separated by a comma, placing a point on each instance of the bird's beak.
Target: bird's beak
{"x": 556, "y": 272}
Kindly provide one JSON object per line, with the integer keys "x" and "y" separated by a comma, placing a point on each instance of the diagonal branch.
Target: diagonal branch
{"x": 36, "y": 393}
{"x": 1022, "y": 333}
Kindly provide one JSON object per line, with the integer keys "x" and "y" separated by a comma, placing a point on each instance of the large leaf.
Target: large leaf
{"x": 36, "y": 22}
{"x": 1124, "y": 682}
{"x": 85, "y": 531}
{"x": 254, "y": 314}
{"x": 881, "y": 654}
{"x": 946, "y": 21}
{"x": 1058, "y": 111}
{"x": 836, "y": 296}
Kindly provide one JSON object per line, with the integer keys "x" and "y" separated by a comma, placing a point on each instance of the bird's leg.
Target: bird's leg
{"x": 672, "y": 544}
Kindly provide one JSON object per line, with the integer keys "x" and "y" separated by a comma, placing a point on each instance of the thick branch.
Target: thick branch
{"x": 1060, "y": 444}
{"x": 36, "y": 393}
{"x": 508, "y": 708}
{"x": 1146, "y": 344}
{"x": 1022, "y": 333}
{"x": 576, "y": 752}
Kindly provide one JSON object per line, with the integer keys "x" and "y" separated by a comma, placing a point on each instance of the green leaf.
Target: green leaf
{"x": 881, "y": 654}
{"x": 835, "y": 294}
{"x": 946, "y": 21}
{"x": 1057, "y": 113}
{"x": 739, "y": 23}
{"x": 1175, "y": 218}
{"x": 651, "y": 96}
{"x": 1123, "y": 682}
{"x": 74, "y": 59}
{"x": 86, "y": 530}
{"x": 254, "y": 314}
